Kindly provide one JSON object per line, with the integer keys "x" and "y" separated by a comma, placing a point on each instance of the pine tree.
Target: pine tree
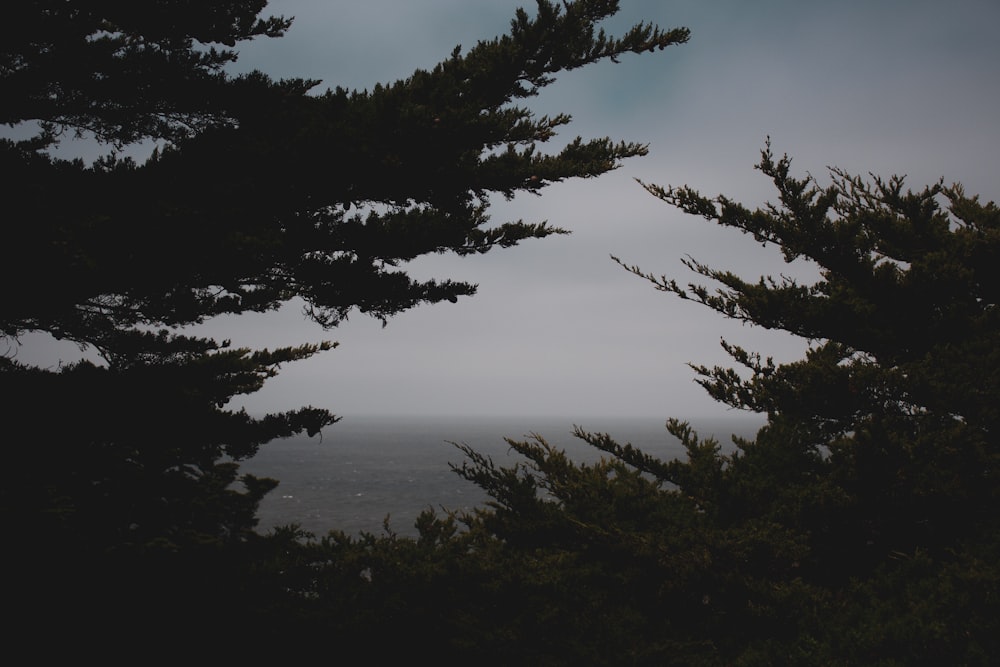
{"x": 259, "y": 192}
{"x": 860, "y": 525}
{"x": 880, "y": 453}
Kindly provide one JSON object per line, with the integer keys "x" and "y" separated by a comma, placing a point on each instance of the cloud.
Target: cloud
{"x": 557, "y": 328}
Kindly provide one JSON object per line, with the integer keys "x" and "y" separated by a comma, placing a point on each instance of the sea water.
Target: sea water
{"x": 365, "y": 469}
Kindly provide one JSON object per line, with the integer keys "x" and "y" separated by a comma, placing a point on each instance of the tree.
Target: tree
{"x": 859, "y": 526}
{"x": 263, "y": 174}
{"x": 259, "y": 192}
{"x": 881, "y": 447}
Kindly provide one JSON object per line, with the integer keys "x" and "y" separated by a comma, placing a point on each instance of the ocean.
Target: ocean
{"x": 367, "y": 468}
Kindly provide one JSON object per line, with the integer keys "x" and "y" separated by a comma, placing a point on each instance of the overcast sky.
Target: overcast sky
{"x": 889, "y": 86}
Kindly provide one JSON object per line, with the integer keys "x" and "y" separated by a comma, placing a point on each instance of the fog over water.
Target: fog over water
{"x": 366, "y": 468}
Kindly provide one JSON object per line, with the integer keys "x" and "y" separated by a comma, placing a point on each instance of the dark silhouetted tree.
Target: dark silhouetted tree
{"x": 879, "y": 458}
{"x": 260, "y": 192}
{"x": 860, "y": 525}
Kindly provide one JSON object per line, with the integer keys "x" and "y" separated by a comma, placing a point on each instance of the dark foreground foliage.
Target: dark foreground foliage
{"x": 858, "y": 527}
{"x": 125, "y": 510}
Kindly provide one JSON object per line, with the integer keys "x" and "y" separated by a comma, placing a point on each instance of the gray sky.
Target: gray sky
{"x": 889, "y": 87}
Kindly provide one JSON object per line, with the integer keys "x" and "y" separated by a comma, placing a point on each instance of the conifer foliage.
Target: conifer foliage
{"x": 859, "y": 526}
{"x": 259, "y": 192}
{"x": 880, "y": 457}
